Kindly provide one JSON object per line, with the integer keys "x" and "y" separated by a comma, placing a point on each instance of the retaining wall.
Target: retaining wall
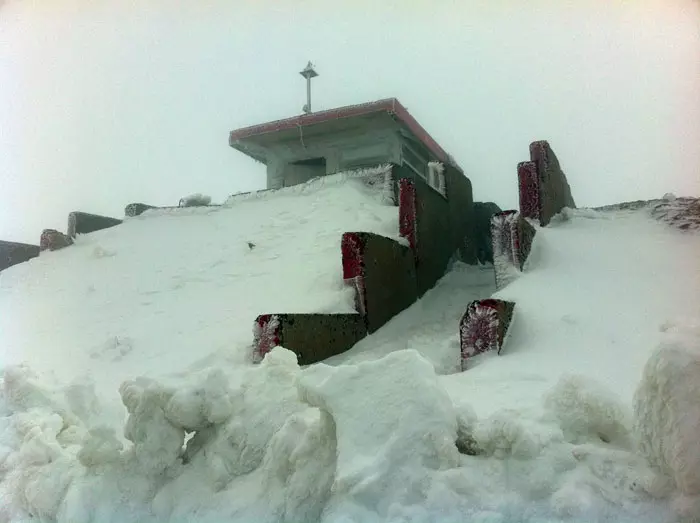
{"x": 543, "y": 187}
{"x": 84, "y": 223}
{"x": 12, "y": 253}
{"x": 442, "y": 226}
{"x": 312, "y": 337}
{"x": 383, "y": 274}
{"x": 387, "y": 276}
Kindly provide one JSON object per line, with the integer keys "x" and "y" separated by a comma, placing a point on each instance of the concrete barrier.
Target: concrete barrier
{"x": 543, "y": 187}
{"x": 53, "y": 240}
{"x": 387, "y": 277}
{"x": 512, "y": 238}
{"x": 312, "y": 337}
{"x": 136, "y": 209}
{"x": 12, "y": 253}
{"x": 484, "y": 327}
{"x": 529, "y": 190}
{"x": 382, "y": 273}
{"x": 483, "y": 213}
{"x": 85, "y": 223}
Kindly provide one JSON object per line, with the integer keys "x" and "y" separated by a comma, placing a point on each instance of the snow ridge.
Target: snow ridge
{"x": 380, "y": 174}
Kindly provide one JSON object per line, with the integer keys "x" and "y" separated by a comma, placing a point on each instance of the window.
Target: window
{"x": 436, "y": 177}
{"x": 415, "y": 157}
{"x": 415, "y": 161}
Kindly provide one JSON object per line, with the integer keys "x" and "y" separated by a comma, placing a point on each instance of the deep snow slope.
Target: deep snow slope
{"x": 170, "y": 287}
{"x": 597, "y": 294}
{"x": 599, "y": 291}
{"x": 367, "y": 436}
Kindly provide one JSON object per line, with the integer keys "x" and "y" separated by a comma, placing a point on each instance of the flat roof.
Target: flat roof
{"x": 388, "y": 105}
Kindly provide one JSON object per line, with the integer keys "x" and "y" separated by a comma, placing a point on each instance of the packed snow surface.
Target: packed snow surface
{"x": 173, "y": 286}
{"x": 137, "y": 404}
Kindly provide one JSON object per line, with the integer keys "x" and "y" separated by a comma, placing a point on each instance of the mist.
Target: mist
{"x": 107, "y": 103}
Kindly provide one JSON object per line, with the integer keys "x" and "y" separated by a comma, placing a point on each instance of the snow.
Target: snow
{"x": 389, "y": 442}
{"x": 667, "y": 409}
{"x": 195, "y": 200}
{"x": 175, "y": 286}
{"x": 126, "y": 395}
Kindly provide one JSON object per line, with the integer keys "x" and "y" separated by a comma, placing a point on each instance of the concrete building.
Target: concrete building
{"x": 303, "y": 147}
{"x": 436, "y": 215}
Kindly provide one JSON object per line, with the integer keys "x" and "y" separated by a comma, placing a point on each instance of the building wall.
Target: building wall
{"x": 461, "y": 204}
{"x": 295, "y": 174}
{"x": 444, "y": 225}
{"x": 365, "y": 146}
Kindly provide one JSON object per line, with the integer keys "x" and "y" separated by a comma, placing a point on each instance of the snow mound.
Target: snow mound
{"x": 375, "y": 181}
{"x": 394, "y": 425}
{"x": 667, "y": 412}
{"x": 195, "y": 200}
{"x": 178, "y": 287}
{"x": 586, "y": 409}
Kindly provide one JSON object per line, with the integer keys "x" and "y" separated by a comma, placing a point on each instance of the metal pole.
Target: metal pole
{"x": 308, "y": 94}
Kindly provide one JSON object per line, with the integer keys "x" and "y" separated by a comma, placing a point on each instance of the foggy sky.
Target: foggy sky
{"x": 107, "y": 103}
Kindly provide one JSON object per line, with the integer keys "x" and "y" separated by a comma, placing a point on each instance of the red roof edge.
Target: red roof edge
{"x": 389, "y": 105}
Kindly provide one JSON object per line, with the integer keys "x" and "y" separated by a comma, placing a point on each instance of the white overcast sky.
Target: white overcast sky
{"x": 103, "y": 103}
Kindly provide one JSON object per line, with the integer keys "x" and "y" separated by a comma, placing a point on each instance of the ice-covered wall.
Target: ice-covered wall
{"x": 512, "y": 238}
{"x": 543, "y": 187}
{"x": 483, "y": 212}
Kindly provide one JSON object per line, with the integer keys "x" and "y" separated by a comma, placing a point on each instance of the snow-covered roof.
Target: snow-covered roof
{"x": 390, "y": 106}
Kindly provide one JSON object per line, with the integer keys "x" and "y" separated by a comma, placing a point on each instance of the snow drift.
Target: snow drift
{"x": 157, "y": 417}
{"x": 376, "y": 441}
{"x": 667, "y": 414}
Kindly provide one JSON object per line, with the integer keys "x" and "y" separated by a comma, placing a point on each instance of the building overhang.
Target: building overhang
{"x": 254, "y": 141}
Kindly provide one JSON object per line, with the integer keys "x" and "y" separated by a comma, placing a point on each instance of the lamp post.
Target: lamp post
{"x": 308, "y": 73}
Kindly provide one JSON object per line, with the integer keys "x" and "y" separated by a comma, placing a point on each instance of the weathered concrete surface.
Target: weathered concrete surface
{"x": 483, "y": 212}
{"x": 136, "y": 209}
{"x": 444, "y": 225}
{"x": 554, "y": 190}
{"x": 484, "y": 327}
{"x": 390, "y": 279}
{"x": 85, "y": 223}
{"x": 382, "y": 272}
{"x": 312, "y": 337}
{"x": 12, "y": 253}
{"x": 53, "y": 240}
{"x": 529, "y": 190}
{"x": 512, "y": 238}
